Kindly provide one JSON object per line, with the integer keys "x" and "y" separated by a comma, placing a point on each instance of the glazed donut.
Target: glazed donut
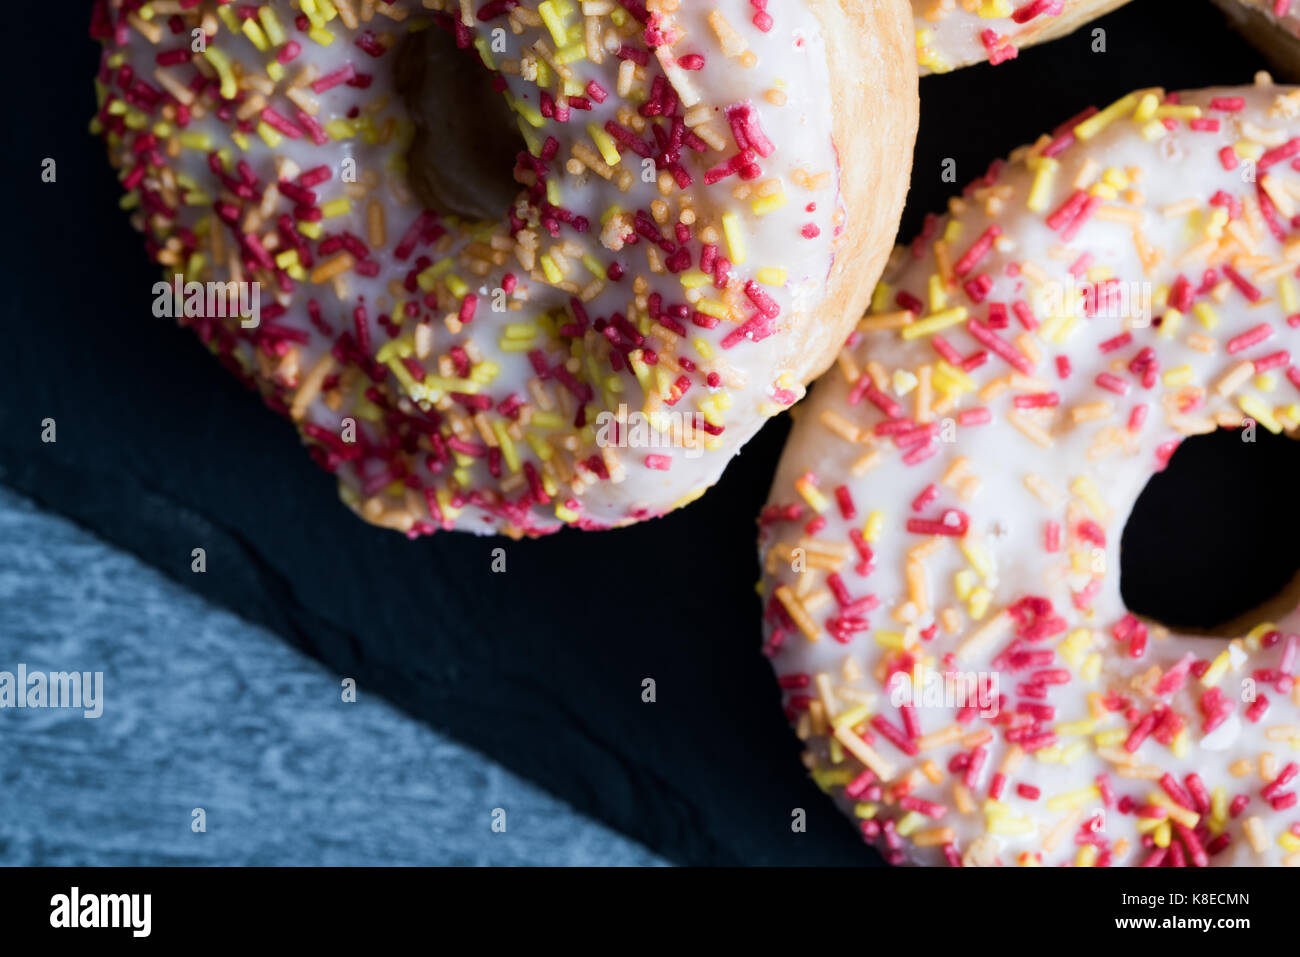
{"x": 941, "y": 545}
{"x": 1271, "y": 25}
{"x": 702, "y": 199}
{"x": 954, "y": 33}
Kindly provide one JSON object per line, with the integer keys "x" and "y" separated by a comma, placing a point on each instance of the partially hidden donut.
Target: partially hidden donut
{"x": 557, "y": 276}
{"x": 941, "y": 545}
{"x": 1271, "y": 25}
{"x": 955, "y": 33}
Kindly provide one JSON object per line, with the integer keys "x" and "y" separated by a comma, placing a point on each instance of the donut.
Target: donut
{"x": 516, "y": 265}
{"x": 955, "y": 33}
{"x": 941, "y": 547}
{"x": 1271, "y": 25}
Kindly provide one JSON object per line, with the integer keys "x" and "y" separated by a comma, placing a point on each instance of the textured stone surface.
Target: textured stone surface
{"x": 202, "y": 709}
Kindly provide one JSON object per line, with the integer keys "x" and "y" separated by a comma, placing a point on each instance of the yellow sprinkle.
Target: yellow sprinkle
{"x": 534, "y": 116}
{"x": 1259, "y": 412}
{"x": 554, "y": 22}
{"x": 815, "y": 499}
{"x": 227, "y": 15}
{"x": 1178, "y": 111}
{"x": 1075, "y": 645}
{"x": 1176, "y": 811}
{"x": 571, "y": 54}
{"x": 520, "y": 330}
{"x": 1108, "y": 739}
{"x": 1169, "y": 325}
{"x": 1153, "y": 130}
{"x": 711, "y": 307}
{"x": 1094, "y": 124}
{"x": 735, "y": 238}
{"x": 938, "y": 294}
{"x": 255, "y": 35}
{"x": 1074, "y": 752}
{"x": 552, "y": 271}
{"x": 1040, "y": 194}
{"x": 1286, "y": 294}
{"x": 873, "y": 526}
{"x": 994, "y": 809}
{"x": 766, "y": 204}
{"x": 904, "y": 381}
{"x": 769, "y": 276}
{"x": 1162, "y": 834}
{"x": 1259, "y": 631}
{"x": 1091, "y": 667}
{"x": 335, "y": 207}
{"x": 194, "y": 140}
{"x": 1179, "y": 376}
{"x": 548, "y": 420}
{"x": 507, "y": 444}
{"x": 977, "y": 556}
{"x": 952, "y": 380}
{"x": 852, "y": 717}
{"x": 1011, "y": 825}
{"x": 271, "y": 24}
{"x": 1205, "y": 312}
{"x": 891, "y": 639}
{"x": 269, "y": 134}
{"x": 933, "y": 323}
{"x": 428, "y": 278}
{"x": 1217, "y": 669}
{"x": 1086, "y": 489}
{"x": 963, "y": 583}
{"x": 1146, "y": 108}
{"x": 910, "y": 822}
{"x": 1072, "y": 728}
{"x": 605, "y": 143}
{"x": 340, "y": 129}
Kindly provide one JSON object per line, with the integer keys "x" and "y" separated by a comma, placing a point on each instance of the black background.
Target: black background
{"x": 160, "y": 451}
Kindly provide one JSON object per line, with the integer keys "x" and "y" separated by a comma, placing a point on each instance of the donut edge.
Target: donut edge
{"x": 1280, "y": 49}
{"x": 876, "y": 102}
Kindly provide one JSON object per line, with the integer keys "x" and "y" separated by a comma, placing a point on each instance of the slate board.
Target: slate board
{"x": 230, "y": 719}
{"x": 159, "y": 451}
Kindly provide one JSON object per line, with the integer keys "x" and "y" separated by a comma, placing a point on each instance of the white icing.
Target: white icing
{"x": 949, "y": 31}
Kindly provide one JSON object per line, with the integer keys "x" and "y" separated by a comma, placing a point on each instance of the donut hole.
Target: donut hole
{"x": 1211, "y": 546}
{"x": 462, "y": 155}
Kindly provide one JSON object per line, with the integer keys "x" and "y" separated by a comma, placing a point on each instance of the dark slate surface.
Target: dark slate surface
{"x": 159, "y": 452}
{"x": 202, "y": 709}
